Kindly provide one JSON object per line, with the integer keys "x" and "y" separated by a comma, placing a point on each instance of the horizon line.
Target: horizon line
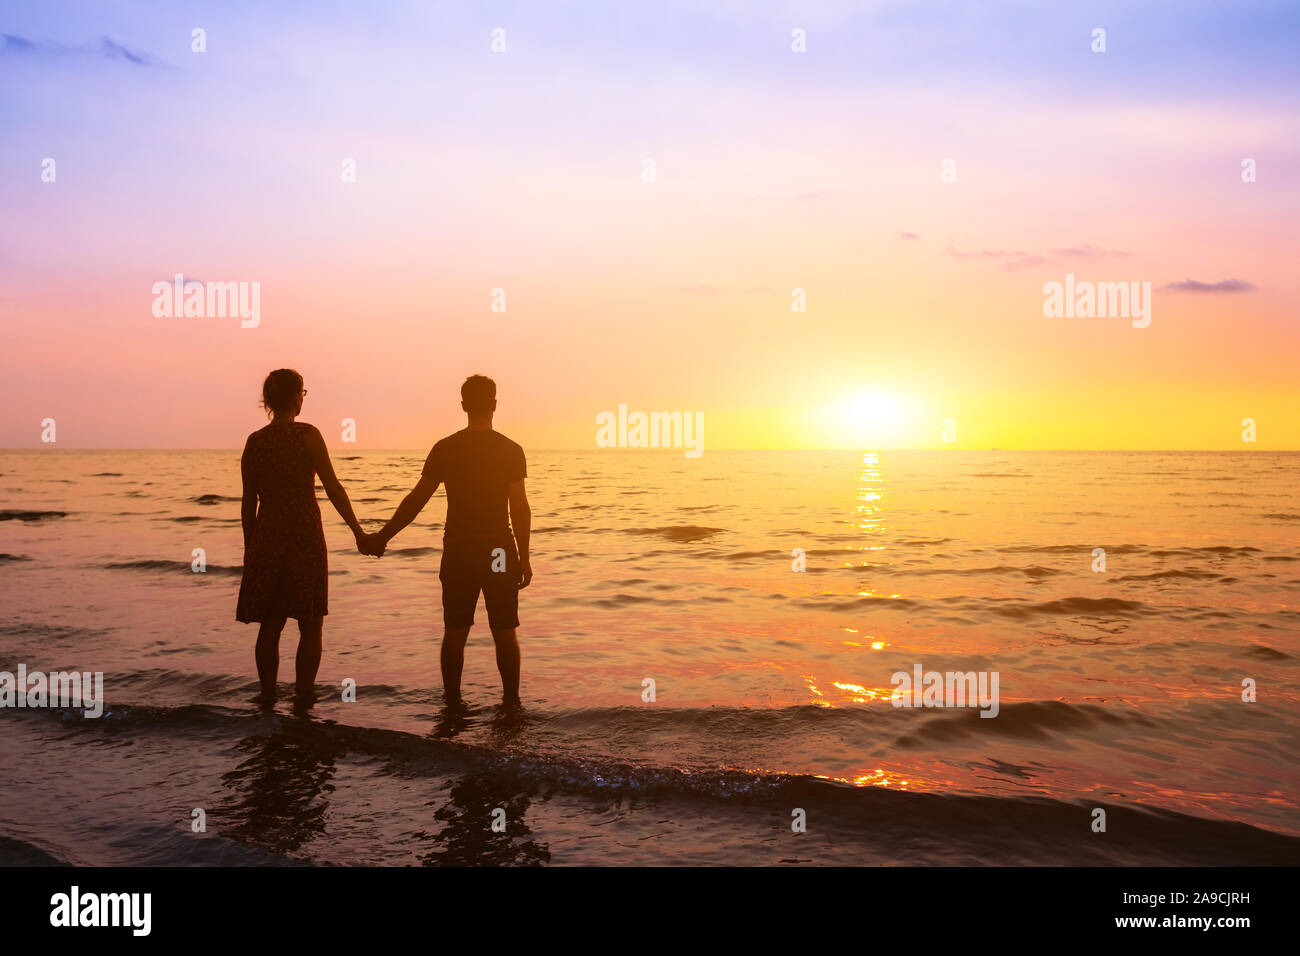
{"x": 422, "y": 449}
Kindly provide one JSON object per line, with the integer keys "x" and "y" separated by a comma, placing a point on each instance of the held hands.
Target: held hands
{"x": 371, "y": 544}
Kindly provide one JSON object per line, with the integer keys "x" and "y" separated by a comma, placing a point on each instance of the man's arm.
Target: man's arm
{"x": 411, "y": 506}
{"x": 521, "y": 521}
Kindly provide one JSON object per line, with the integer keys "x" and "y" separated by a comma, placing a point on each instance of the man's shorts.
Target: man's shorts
{"x": 471, "y": 567}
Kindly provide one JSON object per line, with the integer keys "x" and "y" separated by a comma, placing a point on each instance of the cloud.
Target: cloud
{"x": 13, "y": 44}
{"x": 980, "y": 254}
{"x": 1227, "y": 285}
{"x": 106, "y": 47}
{"x": 1010, "y": 260}
{"x": 1086, "y": 251}
{"x": 908, "y": 235}
{"x": 698, "y": 288}
{"x": 1020, "y": 259}
{"x": 1024, "y": 262}
{"x": 116, "y": 51}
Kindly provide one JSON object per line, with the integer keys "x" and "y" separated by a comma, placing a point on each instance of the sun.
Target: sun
{"x": 870, "y": 417}
{"x": 875, "y": 408}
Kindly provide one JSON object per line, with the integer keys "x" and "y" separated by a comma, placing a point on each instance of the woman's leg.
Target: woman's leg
{"x": 268, "y": 653}
{"x": 309, "y": 648}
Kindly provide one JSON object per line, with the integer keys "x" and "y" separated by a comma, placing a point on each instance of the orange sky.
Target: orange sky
{"x": 524, "y": 172}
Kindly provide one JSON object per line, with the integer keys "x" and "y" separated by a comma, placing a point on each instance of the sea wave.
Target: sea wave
{"x": 10, "y": 514}
{"x": 879, "y": 824}
{"x": 683, "y": 533}
{"x": 159, "y": 564}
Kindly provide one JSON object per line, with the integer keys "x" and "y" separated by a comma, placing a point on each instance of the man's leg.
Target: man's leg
{"x": 268, "y": 653}
{"x": 453, "y": 661}
{"x": 507, "y": 662}
{"x": 308, "y": 659}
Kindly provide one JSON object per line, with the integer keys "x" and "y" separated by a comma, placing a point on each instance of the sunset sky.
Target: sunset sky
{"x": 775, "y": 170}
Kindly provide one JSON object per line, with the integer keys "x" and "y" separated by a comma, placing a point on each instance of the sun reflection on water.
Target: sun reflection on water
{"x": 863, "y": 695}
{"x": 871, "y": 495}
{"x": 880, "y": 778}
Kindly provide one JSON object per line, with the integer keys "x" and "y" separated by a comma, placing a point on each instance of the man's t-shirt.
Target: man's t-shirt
{"x": 476, "y": 467}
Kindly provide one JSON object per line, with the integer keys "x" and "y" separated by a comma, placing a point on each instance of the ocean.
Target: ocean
{"x": 772, "y": 735}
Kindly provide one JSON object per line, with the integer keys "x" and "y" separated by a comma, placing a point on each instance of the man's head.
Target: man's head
{"x": 478, "y": 396}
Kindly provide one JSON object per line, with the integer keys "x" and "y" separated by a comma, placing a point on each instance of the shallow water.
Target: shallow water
{"x": 1119, "y": 689}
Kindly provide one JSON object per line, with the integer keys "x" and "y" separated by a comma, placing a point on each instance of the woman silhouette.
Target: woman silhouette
{"x": 285, "y": 570}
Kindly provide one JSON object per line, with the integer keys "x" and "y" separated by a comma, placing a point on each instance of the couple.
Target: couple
{"x": 285, "y": 569}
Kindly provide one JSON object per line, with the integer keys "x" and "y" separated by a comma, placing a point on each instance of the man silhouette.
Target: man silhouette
{"x": 482, "y": 549}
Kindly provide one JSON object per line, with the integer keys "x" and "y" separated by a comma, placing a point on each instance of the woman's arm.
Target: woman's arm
{"x": 248, "y": 506}
{"x": 320, "y": 459}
